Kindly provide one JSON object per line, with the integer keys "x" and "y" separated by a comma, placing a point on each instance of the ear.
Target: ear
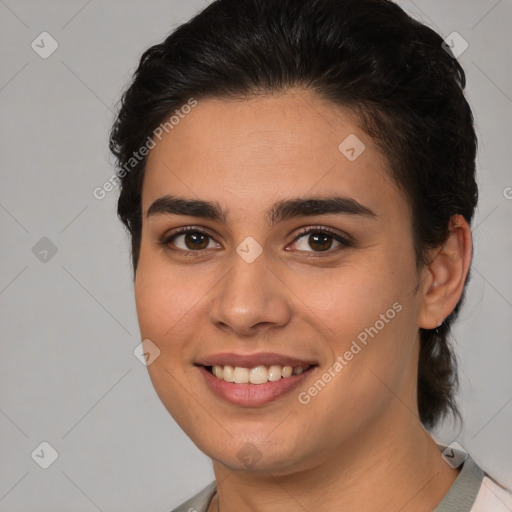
{"x": 444, "y": 278}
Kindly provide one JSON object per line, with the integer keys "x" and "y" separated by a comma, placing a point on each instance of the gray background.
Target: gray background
{"x": 68, "y": 373}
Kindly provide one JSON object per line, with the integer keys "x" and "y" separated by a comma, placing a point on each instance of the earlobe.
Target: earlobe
{"x": 446, "y": 275}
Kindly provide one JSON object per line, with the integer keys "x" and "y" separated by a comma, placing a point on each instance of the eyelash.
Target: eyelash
{"x": 318, "y": 230}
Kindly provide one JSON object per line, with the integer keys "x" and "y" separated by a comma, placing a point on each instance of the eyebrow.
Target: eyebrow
{"x": 282, "y": 210}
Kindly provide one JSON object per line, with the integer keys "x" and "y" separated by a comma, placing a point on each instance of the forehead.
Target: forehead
{"x": 253, "y": 152}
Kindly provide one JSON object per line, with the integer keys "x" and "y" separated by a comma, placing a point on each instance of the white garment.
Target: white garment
{"x": 492, "y": 498}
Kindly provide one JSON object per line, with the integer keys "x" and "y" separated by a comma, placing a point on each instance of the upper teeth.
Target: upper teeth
{"x": 256, "y": 375}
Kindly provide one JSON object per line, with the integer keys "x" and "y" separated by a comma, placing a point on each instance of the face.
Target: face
{"x": 298, "y": 259}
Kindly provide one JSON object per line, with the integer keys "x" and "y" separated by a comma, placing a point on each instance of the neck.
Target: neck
{"x": 383, "y": 469}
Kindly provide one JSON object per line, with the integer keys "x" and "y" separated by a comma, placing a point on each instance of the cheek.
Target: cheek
{"x": 164, "y": 296}
{"x": 154, "y": 304}
{"x": 352, "y": 297}
{"x": 370, "y": 312}
{"x": 166, "y": 303}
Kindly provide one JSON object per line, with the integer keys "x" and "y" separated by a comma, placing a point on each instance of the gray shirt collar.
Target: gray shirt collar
{"x": 462, "y": 494}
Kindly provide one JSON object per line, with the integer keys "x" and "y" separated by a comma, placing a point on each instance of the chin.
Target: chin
{"x": 252, "y": 453}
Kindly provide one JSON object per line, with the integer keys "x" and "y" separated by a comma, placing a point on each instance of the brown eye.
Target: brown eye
{"x": 190, "y": 240}
{"x": 195, "y": 241}
{"x": 320, "y": 240}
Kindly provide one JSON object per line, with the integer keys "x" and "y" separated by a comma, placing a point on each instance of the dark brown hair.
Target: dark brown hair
{"x": 366, "y": 55}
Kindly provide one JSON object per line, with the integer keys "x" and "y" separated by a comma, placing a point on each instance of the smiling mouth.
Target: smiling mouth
{"x": 257, "y": 374}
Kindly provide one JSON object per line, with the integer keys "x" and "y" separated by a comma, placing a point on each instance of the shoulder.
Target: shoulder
{"x": 199, "y": 502}
{"x": 492, "y": 497}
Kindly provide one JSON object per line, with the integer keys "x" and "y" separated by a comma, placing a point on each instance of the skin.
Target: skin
{"x": 359, "y": 443}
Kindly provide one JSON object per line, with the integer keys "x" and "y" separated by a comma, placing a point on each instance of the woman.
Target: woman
{"x": 298, "y": 180}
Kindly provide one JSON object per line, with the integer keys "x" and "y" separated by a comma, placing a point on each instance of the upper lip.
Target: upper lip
{"x": 252, "y": 360}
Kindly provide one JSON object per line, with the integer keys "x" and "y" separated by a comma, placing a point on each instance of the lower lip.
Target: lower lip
{"x": 251, "y": 395}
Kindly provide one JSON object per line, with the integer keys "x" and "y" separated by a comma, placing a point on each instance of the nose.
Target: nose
{"x": 251, "y": 299}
